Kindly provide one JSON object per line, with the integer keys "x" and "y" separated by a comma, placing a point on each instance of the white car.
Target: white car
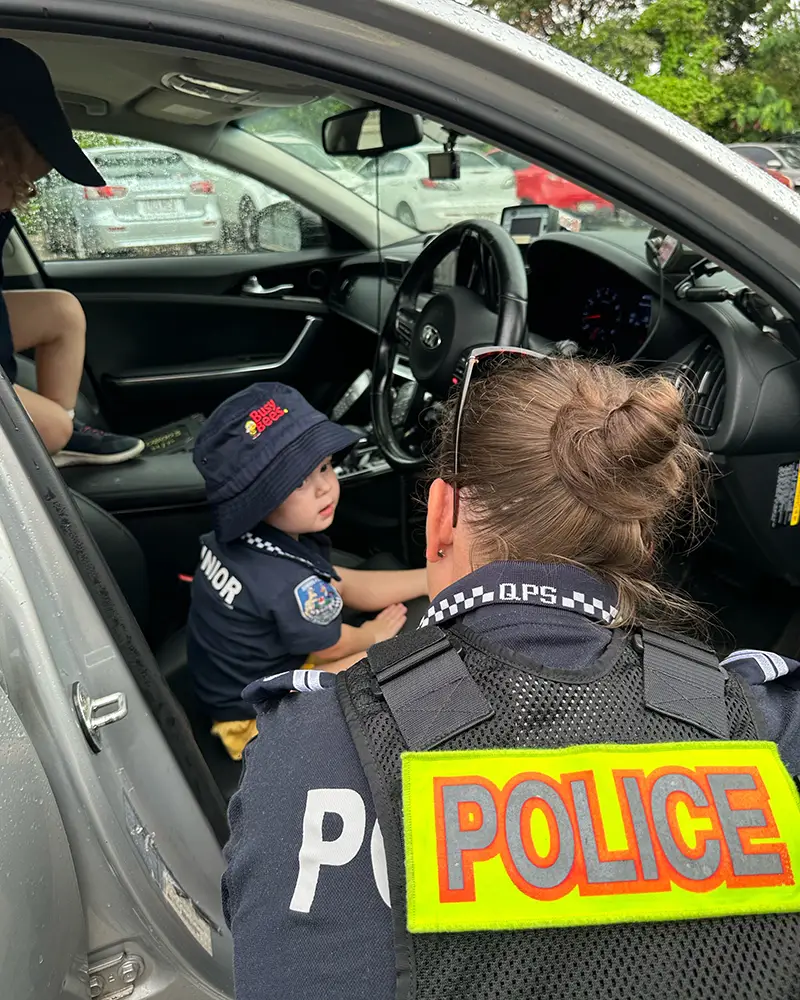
{"x": 483, "y": 190}
{"x": 241, "y": 198}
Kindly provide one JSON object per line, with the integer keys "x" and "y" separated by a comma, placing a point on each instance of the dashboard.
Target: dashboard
{"x": 598, "y": 295}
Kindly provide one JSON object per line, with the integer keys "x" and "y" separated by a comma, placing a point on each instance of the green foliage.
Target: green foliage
{"x": 767, "y": 113}
{"x": 730, "y": 67}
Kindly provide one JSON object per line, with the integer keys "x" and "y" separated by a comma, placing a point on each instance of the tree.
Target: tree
{"x": 767, "y": 113}
{"x": 557, "y": 20}
{"x": 688, "y": 54}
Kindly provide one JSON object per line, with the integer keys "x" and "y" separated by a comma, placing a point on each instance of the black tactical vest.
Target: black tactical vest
{"x": 451, "y": 691}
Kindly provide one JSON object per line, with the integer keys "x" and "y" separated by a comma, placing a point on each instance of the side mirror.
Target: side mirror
{"x": 774, "y": 165}
{"x": 286, "y": 228}
{"x": 370, "y": 132}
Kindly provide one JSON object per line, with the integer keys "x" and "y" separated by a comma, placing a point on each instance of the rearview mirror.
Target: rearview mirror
{"x": 285, "y": 227}
{"x": 370, "y": 132}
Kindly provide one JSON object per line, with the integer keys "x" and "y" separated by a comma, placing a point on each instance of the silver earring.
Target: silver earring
{"x": 440, "y": 554}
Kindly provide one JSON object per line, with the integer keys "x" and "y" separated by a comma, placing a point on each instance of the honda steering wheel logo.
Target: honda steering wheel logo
{"x": 430, "y": 337}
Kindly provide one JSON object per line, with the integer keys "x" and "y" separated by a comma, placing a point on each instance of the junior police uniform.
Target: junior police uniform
{"x": 552, "y": 808}
{"x": 261, "y": 600}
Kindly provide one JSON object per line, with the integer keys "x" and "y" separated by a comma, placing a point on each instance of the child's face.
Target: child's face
{"x": 312, "y": 505}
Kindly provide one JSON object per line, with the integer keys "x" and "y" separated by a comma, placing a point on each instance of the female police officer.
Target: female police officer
{"x": 540, "y": 793}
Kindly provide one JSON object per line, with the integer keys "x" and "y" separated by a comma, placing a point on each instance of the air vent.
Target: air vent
{"x": 705, "y": 372}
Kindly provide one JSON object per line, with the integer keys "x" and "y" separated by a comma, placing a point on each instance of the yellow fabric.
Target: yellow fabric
{"x": 598, "y": 834}
{"x": 235, "y": 735}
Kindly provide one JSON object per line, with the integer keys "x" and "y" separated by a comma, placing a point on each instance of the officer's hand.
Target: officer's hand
{"x": 386, "y": 624}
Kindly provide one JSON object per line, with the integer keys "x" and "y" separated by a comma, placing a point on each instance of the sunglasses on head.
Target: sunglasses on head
{"x": 488, "y": 358}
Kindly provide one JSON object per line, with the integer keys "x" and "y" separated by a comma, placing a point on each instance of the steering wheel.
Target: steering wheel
{"x": 438, "y": 338}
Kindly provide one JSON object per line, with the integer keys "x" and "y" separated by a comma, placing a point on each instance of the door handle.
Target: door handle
{"x": 254, "y": 287}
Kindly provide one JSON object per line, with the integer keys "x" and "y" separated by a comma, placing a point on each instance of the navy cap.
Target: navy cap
{"x": 27, "y": 94}
{"x": 256, "y": 448}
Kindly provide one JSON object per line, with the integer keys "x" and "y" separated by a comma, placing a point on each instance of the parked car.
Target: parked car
{"x": 780, "y": 177}
{"x": 482, "y": 191}
{"x": 153, "y": 197}
{"x": 779, "y": 157}
{"x": 241, "y": 198}
{"x": 542, "y": 187}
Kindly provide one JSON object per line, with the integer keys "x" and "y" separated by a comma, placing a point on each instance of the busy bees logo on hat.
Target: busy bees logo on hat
{"x": 263, "y": 417}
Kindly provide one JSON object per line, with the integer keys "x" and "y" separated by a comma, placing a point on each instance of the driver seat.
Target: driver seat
{"x": 126, "y": 560}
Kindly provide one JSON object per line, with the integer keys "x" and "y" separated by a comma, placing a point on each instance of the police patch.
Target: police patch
{"x": 319, "y": 601}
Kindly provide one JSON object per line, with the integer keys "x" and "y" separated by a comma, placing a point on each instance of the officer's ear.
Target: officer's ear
{"x": 439, "y": 522}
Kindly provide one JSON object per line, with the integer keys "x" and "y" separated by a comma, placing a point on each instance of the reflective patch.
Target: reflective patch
{"x": 519, "y": 839}
{"x": 319, "y": 601}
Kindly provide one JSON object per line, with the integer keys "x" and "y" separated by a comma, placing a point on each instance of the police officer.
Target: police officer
{"x": 266, "y": 597}
{"x": 543, "y": 791}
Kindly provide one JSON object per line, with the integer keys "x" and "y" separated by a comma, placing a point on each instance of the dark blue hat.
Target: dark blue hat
{"x": 256, "y": 448}
{"x": 28, "y": 95}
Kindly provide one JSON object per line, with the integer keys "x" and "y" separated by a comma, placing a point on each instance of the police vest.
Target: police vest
{"x": 621, "y": 834}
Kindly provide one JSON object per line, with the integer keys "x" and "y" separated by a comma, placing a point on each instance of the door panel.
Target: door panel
{"x": 172, "y": 336}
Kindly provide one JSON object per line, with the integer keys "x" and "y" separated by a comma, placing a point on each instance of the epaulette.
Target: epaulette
{"x": 289, "y": 682}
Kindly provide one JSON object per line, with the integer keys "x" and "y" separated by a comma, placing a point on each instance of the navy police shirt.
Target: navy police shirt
{"x": 260, "y": 605}
{"x": 7, "y": 361}
{"x": 305, "y": 891}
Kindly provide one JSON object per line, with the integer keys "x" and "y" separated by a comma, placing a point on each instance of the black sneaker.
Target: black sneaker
{"x": 91, "y": 446}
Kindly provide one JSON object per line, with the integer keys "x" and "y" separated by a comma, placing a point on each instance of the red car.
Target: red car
{"x": 540, "y": 186}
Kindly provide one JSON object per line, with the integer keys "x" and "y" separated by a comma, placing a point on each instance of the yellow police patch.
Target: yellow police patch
{"x": 516, "y": 839}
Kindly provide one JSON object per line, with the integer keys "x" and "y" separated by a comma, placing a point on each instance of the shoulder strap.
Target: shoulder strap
{"x": 683, "y": 680}
{"x": 427, "y": 687}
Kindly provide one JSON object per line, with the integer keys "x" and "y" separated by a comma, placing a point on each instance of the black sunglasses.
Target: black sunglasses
{"x": 475, "y": 356}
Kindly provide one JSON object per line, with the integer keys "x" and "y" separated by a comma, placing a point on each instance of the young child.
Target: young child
{"x": 266, "y": 598}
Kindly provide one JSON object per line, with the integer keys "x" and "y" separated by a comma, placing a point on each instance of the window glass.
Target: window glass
{"x": 157, "y": 202}
{"x": 758, "y": 154}
{"x": 491, "y": 180}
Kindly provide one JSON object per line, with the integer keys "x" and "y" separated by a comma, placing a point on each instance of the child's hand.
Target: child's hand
{"x": 386, "y": 624}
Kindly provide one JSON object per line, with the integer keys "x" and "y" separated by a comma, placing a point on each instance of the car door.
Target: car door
{"x": 176, "y": 324}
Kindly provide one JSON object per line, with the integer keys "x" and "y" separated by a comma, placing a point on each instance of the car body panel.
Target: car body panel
{"x": 542, "y": 187}
{"x": 42, "y": 923}
{"x": 774, "y": 157}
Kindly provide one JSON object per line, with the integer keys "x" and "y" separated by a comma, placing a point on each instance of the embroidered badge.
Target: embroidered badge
{"x": 319, "y": 601}
{"x": 262, "y": 418}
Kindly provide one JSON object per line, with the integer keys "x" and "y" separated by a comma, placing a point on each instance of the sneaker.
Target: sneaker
{"x": 91, "y": 446}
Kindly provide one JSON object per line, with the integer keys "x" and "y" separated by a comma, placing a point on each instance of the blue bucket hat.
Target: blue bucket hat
{"x": 256, "y": 448}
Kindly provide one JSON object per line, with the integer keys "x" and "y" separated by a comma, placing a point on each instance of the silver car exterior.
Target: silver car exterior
{"x": 145, "y": 860}
{"x": 152, "y": 198}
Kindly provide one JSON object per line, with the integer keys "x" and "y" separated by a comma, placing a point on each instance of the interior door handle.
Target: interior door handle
{"x": 254, "y": 287}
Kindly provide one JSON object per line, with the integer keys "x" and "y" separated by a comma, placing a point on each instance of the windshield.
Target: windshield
{"x": 490, "y": 180}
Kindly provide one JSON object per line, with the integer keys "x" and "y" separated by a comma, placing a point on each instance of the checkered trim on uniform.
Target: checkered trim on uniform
{"x": 459, "y": 603}
{"x": 274, "y": 550}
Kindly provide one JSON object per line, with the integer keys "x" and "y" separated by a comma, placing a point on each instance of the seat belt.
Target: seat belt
{"x": 427, "y": 687}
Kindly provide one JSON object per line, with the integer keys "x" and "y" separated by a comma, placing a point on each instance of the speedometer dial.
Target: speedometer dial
{"x": 601, "y": 319}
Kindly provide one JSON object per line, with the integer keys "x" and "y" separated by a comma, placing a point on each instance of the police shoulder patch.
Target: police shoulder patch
{"x": 318, "y": 600}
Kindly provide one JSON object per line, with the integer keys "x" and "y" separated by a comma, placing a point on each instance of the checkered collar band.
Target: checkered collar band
{"x": 546, "y": 584}
{"x": 289, "y": 548}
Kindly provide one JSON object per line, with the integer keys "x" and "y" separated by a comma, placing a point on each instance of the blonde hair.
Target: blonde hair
{"x": 578, "y": 462}
{"x": 14, "y": 156}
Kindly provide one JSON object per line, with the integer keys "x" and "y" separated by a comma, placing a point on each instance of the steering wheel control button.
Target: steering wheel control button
{"x": 430, "y": 338}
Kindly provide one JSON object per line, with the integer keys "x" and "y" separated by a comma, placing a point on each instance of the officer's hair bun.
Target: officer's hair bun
{"x": 568, "y": 460}
{"x": 619, "y": 445}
